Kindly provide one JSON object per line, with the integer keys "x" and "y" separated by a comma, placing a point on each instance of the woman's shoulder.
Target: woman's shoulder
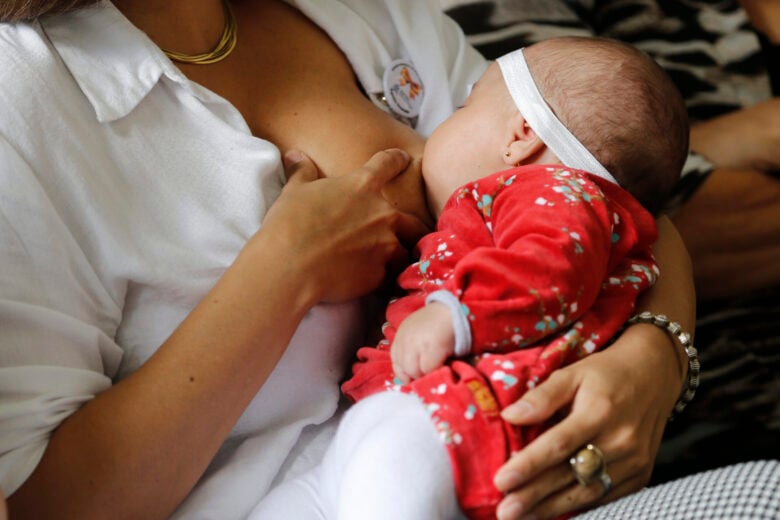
{"x": 382, "y": 36}
{"x": 30, "y": 70}
{"x": 25, "y": 54}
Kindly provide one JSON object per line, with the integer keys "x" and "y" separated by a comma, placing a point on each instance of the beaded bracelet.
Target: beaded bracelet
{"x": 675, "y": 330}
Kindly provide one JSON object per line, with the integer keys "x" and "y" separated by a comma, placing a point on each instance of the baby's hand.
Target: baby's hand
{"x": 423, "y": 342}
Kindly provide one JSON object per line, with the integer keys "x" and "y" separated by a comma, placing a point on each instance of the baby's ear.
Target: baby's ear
{"x": 524, "y": 146}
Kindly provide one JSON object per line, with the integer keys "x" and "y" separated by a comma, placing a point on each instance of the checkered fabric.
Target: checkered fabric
{"x": 747, "y": 491}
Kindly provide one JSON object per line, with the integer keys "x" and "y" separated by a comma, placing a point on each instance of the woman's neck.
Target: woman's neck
{"x": 186, "y": 26}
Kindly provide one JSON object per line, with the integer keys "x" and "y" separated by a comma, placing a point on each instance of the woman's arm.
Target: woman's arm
{"x": 748, "y": 139}
{"x": 731, "y": 225}
{"x": 138, "y": 448}
{"x": 618, "y": 399}
{"x": 765, "y": 16}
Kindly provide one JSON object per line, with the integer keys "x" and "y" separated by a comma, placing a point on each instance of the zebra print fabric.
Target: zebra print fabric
{"x": 707, "y": 47}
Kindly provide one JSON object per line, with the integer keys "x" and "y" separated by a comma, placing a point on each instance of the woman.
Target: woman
{"x": 212, "y": 367}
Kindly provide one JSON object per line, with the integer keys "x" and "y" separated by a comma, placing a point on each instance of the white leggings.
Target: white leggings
{"x": 385, "y": 462}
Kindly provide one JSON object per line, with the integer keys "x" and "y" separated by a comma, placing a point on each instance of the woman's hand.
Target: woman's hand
{"x": 608, "y": 403}
{"x": 618, "y": 399}
{"x": 424, "y": 341}
{"x": 340, "y": 231}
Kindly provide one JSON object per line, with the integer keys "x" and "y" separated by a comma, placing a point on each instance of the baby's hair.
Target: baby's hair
{"x": 23, "y": 10}
{"x": 621, "y": 105}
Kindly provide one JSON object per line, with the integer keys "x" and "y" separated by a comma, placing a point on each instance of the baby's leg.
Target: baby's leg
{"x": 298, "y": 498}
{"x": 387, "y": 462}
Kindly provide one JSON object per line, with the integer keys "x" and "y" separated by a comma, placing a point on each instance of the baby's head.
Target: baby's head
{"x": 616, "y": 101}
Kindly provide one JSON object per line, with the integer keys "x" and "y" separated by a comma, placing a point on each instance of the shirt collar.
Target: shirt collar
{"x": 114, "y": 63}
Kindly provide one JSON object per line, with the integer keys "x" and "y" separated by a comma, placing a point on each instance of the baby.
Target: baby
{"x": 544, "y": 186}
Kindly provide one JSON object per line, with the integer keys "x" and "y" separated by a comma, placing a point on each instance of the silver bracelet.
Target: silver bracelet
{"x": 675, "y": 330}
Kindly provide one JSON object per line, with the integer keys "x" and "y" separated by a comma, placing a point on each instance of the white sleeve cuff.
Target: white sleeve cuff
{"x": 34, "y": 400}
{"x": 460, "y": 323}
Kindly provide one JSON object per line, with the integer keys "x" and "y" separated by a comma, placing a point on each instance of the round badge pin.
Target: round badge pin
{"x": 404, "y": 89}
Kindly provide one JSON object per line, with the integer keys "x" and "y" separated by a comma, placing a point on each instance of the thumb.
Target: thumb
{"x": 539, "y": 404}
{"x": 409, "y": 229}
{"x": 299, "y": 167}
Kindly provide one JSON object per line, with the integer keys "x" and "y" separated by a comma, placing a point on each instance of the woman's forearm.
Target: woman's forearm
{"x": 673, "y": 294}
{"x": 765, "y": 16}
{"x": 731, "y": 226}
{"x": 137, "y": 449}
{"x": 746, "y": 139}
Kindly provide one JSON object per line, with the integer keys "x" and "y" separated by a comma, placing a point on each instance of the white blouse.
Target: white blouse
{"x": 126, "y": 190}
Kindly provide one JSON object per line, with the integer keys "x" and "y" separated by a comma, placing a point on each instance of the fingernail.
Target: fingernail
{"x": 516, "y": 411}
{"x": 404, "y": 153}
{"x": 505, "y": 480}
{"x": 292, "y": 157}
{"x": 509, "y": 510}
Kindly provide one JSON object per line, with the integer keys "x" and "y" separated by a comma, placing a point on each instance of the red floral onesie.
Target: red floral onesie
{"x": 546, "y": 263}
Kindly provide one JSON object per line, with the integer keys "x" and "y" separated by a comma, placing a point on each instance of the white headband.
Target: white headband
{"x": 541, "y": 118}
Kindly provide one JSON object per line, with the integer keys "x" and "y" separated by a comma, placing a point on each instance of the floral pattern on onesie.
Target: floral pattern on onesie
{"x": 547, "y": 263}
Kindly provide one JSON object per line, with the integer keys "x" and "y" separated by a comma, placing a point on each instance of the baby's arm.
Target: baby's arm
{"x": 549, "y": 262}
{"x": 552, "y": 242}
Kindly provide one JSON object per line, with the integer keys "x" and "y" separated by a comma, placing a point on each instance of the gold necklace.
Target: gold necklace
{"x": 225, "y": 45}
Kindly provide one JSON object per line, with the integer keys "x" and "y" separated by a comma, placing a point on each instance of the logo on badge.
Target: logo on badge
{"x": 404, "y": 89}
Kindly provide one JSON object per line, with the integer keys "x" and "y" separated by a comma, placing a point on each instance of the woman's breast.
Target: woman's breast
{"x": 340, "y": 129}
{"x": 311, "y": 100}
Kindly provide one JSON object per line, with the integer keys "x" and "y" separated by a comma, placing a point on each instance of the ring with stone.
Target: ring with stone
{"x": 588, "y": 466}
